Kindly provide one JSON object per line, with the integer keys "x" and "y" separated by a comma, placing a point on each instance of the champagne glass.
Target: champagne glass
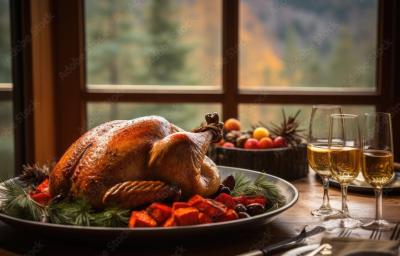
{"x": 317, "y": 151}
{"x": 377, "y": 160}
{"x": 344, "y": 158}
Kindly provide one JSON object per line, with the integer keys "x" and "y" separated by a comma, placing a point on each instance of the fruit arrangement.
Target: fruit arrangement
{"x": 262, "y": 136}
{"x": 237, "y": 197}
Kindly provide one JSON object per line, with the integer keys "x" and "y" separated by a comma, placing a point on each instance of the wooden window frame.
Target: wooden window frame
{"x": 71, "y": 93}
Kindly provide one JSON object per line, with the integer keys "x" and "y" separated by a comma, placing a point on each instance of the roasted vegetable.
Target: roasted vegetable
{"x": 141, "y": 219}
{"x": 186, "y": 216}
{"x": 159, "y": 212}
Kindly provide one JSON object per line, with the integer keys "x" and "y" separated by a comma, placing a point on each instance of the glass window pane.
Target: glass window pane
{"x": 186, "y": 116}
{"x": 6, "y": 140}
{"x": 6, "y": 118}
{"x": 251, "y": 114}
{"x": 314, "y": 43}
{"x": 153, "y": 42}
{"x": 5, "y": 41}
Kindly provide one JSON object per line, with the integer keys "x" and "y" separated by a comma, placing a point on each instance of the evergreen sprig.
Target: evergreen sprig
{"x": 15, "y": 201}
{"x": 80, "y": 213}
{"x": 261, "y": 186}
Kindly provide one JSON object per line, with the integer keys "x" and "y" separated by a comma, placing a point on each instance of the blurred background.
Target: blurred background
{"x": 284, "y": 45}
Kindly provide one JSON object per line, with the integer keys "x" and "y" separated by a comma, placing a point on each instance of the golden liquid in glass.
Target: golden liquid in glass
{"x": 345, "y": 163}
{"x": 318, "y": 158}
{"x": 377, "y": 167}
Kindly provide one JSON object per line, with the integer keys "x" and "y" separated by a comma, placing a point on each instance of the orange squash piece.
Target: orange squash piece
{"x": 204, "y": 219}
{"x": 159, "y": 212}
{"x": 210, "y": 207}
{"x": 230, "y": 214}
{"x": 186, "y": 216}
{"x": 178, "y": 205}
{"x": 170, "y": 222}
{"x": 141, "y": 219}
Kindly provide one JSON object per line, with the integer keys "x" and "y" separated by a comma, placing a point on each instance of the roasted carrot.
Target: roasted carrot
{"x": 141, "y": 219}
{"x": 170, "y": 222}
{"x": 178, "y": 205}
{"x": 186, "y": 216}
{"x": 159, "y": 212}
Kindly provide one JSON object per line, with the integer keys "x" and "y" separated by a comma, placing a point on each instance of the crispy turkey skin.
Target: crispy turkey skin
{"x": 146, "y": 149}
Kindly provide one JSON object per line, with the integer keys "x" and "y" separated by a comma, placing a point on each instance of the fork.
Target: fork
{"x": 396, "y": 233}
{"x": 345, "y": 233}
{"x": 376, "y": 234}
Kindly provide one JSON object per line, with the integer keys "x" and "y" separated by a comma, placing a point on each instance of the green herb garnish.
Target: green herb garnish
{"x": 261, "y": 186}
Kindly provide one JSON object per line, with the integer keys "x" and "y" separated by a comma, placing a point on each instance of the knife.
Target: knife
{"x": 285, "y": 243}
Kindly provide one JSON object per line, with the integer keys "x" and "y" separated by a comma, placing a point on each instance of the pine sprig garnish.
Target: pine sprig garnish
{"x": 112, "y": 217}
{"x": 15, "y": 201}
{"x": 269, "y": 190}
{"x": 78, "y": 213}
{"x": 241, "y": 184}
{"x": 261, "y": 186}
{"x": 34, "y": 174}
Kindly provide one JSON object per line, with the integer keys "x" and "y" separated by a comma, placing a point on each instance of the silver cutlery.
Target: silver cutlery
{"x": 285, "y": 243}
{"x": 376, "y": 234}
{"x": 396, "y": 233}
{"x": 345, "y": 233}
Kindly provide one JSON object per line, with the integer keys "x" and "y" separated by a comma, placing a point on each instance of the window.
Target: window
{"x": 6, "y": 119}
{"x": 302, "y": 45}
{"x": 245, "y": 58}
{"x": 159, "y": 57}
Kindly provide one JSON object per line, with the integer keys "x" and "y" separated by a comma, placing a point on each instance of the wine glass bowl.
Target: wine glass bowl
{"x": 377, "y": 160}
{"x": 344, "y": 147}
{"x": 317, "y": 151}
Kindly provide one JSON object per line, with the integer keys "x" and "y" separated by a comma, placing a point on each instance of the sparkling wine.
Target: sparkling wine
{"x": 377, "y": 167}
{"x": 318, "y": 158}
{"x": 344, "y": 163}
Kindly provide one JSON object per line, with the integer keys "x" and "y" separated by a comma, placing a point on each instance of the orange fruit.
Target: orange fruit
{"x": 266, "y": 142}
{"x": 232, "y": 124}
{"x": 260, "y": 132}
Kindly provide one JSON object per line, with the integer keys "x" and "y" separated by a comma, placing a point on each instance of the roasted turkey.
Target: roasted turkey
{"x": 127, "y": 163}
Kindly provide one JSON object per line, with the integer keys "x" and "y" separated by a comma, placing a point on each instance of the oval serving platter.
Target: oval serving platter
{"x": 102, "y": 234}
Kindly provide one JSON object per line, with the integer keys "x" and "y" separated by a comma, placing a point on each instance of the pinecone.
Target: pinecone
{"x": 34, "y": 174}
{"x": 288, "y": 129}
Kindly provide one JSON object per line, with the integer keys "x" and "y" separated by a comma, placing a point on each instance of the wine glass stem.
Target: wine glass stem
{"x": 325, "y": 184}
{"x": 378, "y": 196}
{"x": 345, "y": 209}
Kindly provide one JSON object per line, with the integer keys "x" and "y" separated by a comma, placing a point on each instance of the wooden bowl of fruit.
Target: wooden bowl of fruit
{"x": 276, "y": 149}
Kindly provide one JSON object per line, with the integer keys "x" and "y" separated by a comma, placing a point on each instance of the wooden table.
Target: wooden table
{"x": 286, "y": 225}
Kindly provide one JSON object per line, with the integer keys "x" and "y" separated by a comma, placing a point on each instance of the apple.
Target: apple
{"x": 228, "y": 145}
{"x": 280, "y": 142}
{"x": 232, "y": 124}
{"x": 251, "y": 144}
{"x": 266, "y": 142}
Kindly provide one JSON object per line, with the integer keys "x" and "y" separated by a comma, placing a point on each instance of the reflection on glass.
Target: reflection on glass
{"x": 187, "y": 116}
{"x": 153, "y": 42}
{"x": 292, "y": 44}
